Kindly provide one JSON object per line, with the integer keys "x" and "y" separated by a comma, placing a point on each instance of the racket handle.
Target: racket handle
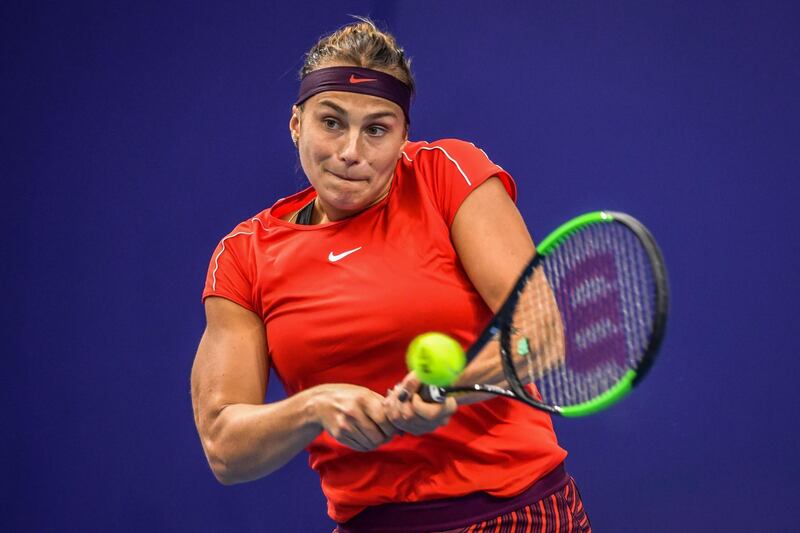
{"x": 432, "y": 393}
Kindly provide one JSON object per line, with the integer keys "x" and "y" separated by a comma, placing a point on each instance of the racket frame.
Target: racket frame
{"x": 502, "y": 324}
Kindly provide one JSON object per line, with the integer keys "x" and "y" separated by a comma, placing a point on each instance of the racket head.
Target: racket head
{"x": 586, "y": 318}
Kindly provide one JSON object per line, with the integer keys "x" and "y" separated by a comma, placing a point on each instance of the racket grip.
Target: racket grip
{"x": 432, "y": 393}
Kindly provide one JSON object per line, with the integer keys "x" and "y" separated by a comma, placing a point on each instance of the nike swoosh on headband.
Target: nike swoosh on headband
{"x": 353, "y": 79}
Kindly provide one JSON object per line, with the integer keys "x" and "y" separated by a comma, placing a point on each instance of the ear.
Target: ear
{"x": 294, "y": 124}
{"x": 405, "y": 141}
{"x": 402, "y": 147}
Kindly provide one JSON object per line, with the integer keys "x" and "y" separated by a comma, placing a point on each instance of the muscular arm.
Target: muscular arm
{"x": 492, "y": 241}
{"x": 245, "y": 439}
{"x": 494, "y": 246}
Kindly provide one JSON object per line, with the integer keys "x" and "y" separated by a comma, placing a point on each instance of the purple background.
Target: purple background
{"x": 136, "y": 135}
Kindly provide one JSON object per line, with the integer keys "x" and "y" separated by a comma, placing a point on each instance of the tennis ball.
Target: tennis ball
{"x": 436, "y": 358}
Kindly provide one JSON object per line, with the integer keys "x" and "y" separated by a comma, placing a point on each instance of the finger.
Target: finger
{"x": 376, "y": 412}
{"x": 407, "y": 412}
{"x": 432, "y": 411}
{"x": 392, "y": 407}
{"x": 347, "y": 433}
{"x": 420, "y": 426}
{"x": 369, "y": 430}
{"x": 348, "y": 428}
{"x": 356, "y": 439}
{"x": 391, "y": 401}
{"x": 407, "y": 387}
{"x": 351, "y": 443}
{"x": 392, "y": 395}
{"x": 402, "y": 417}
{"x": 400, "y": 426}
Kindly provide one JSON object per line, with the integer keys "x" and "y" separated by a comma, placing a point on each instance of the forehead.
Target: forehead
{"x": 353, "y": 104}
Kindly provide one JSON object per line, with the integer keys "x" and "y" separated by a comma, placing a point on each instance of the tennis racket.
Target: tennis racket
{"x": 583, "y": 323}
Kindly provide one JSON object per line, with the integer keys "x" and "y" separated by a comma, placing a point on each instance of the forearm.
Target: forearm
{"x": 246, "y": 442}
{"x": 537, "y": 344}
{"x": 486, "y": 369}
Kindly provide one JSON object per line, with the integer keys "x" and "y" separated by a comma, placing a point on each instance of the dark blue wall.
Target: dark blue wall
{"x": 135, "y": 136}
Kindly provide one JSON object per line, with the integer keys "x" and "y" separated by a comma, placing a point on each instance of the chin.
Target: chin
{"x": 350, "y": 205}
{"x": 342, "y": 198}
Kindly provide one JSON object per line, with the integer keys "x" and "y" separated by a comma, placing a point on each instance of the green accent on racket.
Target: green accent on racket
{"x": 568, "y": 228}
{"x": 604, "y": 401}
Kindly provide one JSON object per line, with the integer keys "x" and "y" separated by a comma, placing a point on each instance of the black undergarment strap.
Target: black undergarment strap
{"x": 304, "y": 215}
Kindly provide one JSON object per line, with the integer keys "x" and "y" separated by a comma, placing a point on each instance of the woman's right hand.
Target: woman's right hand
{"x": 352, "y": 415}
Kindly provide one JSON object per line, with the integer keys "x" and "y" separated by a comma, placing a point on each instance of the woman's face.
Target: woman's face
{"x": 349, "y": 144}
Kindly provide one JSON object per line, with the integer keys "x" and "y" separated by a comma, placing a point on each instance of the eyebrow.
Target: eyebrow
{"x": 371, "y": 116}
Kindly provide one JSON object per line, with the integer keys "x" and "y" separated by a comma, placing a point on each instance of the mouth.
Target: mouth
{"x": 345, "y": 177}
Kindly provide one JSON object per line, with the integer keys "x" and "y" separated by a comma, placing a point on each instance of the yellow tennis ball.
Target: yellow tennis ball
{"x": 436, "y": 358}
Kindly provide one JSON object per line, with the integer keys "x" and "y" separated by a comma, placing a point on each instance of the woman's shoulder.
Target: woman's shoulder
{"x": 449, "y": 159}
{"x": 243, "y": 235}
{"x": 442, "y": 146}
{"x": 251, "y": 223}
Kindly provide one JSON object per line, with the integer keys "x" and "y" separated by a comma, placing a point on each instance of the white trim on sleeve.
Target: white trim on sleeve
{"x": 216, "y": 259}
{"x": 448, "y": 156}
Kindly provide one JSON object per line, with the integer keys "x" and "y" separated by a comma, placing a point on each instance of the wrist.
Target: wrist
{"x": 311, "y": 407}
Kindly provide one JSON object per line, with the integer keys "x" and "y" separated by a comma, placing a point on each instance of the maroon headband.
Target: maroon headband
{"x": 356, "y": 80}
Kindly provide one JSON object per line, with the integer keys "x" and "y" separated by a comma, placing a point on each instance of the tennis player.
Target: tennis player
{"x": 328, "y": 286}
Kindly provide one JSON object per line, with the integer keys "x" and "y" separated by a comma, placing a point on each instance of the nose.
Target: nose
{"x": 349, "y": 152}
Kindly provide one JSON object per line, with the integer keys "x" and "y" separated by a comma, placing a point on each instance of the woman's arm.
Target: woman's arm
{"x": 491, "y": 241}
{"x": 493, "y": 245}
{"x": 244, "y": 438}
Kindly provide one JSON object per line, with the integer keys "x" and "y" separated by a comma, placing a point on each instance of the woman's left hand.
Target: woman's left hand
{"x": 408, "y": 412}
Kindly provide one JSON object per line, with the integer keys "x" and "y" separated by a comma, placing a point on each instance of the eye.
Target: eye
{"x": 330, "y": 123}
{"x": 376, "y": 131}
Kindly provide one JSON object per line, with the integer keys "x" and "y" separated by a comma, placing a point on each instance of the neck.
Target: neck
{"x": 319, "y": 216}
{"x": 322, "y": 215}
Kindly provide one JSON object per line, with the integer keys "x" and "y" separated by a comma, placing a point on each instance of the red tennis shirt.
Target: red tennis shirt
{"x": 340, "y": 302}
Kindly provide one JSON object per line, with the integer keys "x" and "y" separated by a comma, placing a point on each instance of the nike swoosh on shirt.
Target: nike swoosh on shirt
{"x": 353, "y": 79}
{"x": 332, "y": 257}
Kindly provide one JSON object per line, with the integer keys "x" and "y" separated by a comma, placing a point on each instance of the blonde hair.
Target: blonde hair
{"x": 361, "y": 44}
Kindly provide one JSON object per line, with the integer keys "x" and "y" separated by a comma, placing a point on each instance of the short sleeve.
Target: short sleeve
{"x": 230, "y": 272}
{"x": 452, "y": 169}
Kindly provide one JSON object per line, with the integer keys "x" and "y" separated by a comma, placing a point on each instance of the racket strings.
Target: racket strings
{"x": 538, "y": 338}
{"x": 585, "y": 316}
